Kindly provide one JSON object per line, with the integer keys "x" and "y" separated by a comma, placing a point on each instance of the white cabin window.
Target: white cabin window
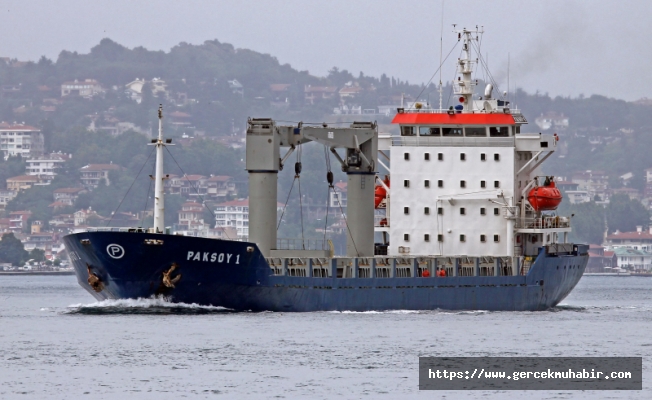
{"x": 440, "y": 183}
{"x": 428, "y": 131}
{"x": 483, "y": 211}
{"x": 426, "y": 156}
{"x": 483, "y": 238}
{"x": 483, "y": 157}
{"x": 451, "y": 132}
{"x": 440, "y": 156}
{"x": 462, "y": 238}
{"x": 462, "y": 184}
{"x": 475, "y": 131}
{"x": 406, "y": 210}
{"x": 496, "y": 211}
{"x": 496, "y": 238}
{"x": 406, "y": 183}
{"x": 406, "y": 237}
{"x": 426, "y": 183}
{"x": 462, "y": 156}
{"x": 462, "y": 211}
{"x": 440, "y": 211}
{"x": 496, "y": 157}
{"x": 407, "y": 131}
{"x": 483, "y": 184}
{"x": 496, "y": 184}
{"x": 406, "y": 156}
{"x": 426, "y": 237}
{"x": 426, "y": 210}
{"x": 499, "y": 131}
{"x": 440, "y": 238}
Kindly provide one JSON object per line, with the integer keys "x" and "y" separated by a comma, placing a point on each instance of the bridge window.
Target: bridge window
{"x": 426, "y": 183}
{"x": 496, "y": 184}
{"x": 483, "y": 184}
{"x": 406, "y": 237}
{"x": 440, "y": 238}
{"x": 462, "y": 238}
{"x": 462, "y": 184}
{"x": 483, "y": 238}
{"x": 462, "y": 211}
{"x": 483, "y": 211}
{"x": 406, "y": 156}
{"x": 426, "y": 156}
{"x": 496, "y": 157}
{"x": 440, "y": 211}
{"x": 475, "y": 131}
{"x": 496, "y": 211}
{"x": 406, "y": 210}
{"x": 406, "y": 183}
{"x": 440, "y": 156}
{"x": 496, "y": 238}
{"x": 426, "y": 237}
{"x": 499, "y": 131}
{"x": 451, "y": 131}
{"x": 428, "y": 131}
{"x": 462, "y": 156}
{"x": 426, "y": 210}
{"x": 440, "y": 183}
{"x": 407, "y": 131}
{"x": 483, "y": 157}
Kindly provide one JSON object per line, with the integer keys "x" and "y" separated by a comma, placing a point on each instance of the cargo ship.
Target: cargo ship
{"x": 464, "y": 217}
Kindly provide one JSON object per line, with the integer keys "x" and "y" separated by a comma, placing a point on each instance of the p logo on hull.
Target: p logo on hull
{"x": 115, "y": 251}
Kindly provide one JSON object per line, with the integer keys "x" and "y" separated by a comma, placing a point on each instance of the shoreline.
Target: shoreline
{"x": 37, "y": 273}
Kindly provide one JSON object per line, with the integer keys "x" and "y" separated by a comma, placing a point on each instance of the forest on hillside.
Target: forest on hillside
{"x": 603, "y": 133}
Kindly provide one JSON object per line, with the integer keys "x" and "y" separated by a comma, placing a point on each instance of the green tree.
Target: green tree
{"x": 12, "y": 250}
{"x": 624, "y": 214}
{"x": 37, "y": 255}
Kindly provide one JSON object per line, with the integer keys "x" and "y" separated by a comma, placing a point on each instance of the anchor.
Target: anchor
{"x": 93, "y": 280}
{"x": 168, "y": 280}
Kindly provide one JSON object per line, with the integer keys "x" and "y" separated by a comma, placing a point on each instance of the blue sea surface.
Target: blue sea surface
{"x": 57, "y": 343}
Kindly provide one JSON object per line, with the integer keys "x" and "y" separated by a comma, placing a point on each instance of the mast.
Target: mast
{"x": 159, "y": 200}
{"x": 465, "y": 84}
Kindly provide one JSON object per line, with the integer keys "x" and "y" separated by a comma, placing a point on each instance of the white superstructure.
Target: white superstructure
{"x": 460, "y": 178}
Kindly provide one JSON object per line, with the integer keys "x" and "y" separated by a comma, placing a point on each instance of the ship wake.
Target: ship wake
{"x": 148, "y": 306}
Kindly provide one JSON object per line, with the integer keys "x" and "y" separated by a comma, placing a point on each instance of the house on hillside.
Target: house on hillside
{"x": 20, "y": 139}
{"x": 92, "y": 174}
{"x": 68, "y": 196}
{"x": 22, "y": 182}
{"x": 18, "y": 220}
{"x": 638, "y": 240}
{"x": 337, "y": 197}
{"x": 86, "y": 88}
{"x": 236, "y": 87}
{"x": 632, "y": 259}
{"x": 318, "y": 93}
{"x": 180, "y": 119}
{"x": 220, "y": 187}
{"x": 6, "y": 196}
{"x": 600, "y": 260}
{"x": 280, "y": 92}
{"x": 235, "y": 214}
{"x": 349, "y": 92}
{"x": 46, "y": 166}
{"x": 551, "y": 120}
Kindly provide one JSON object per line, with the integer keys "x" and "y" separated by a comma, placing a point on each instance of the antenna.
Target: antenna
{"x": 508, "y": 59}
{"x": 441, "y": 45}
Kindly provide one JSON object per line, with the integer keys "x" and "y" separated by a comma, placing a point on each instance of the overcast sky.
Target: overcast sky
{"x": 560, "y": 47}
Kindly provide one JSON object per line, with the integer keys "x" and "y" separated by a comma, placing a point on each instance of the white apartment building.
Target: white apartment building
{"x": 46, "y": 166}
{"x": 85, "y": 88}
{"x": 234, "y": 214}
{"x": 20, "y": 139}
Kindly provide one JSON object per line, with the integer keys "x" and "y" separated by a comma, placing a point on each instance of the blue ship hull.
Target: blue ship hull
{"x": 235, "y": 275}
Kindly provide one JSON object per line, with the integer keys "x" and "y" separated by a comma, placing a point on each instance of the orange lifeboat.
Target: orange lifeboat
{"x": 545, "y": 198}
{"x": 380, "y": 193}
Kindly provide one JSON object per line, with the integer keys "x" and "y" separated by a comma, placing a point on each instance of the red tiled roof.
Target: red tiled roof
{"x": 328, "y": 89}
{"x": 279, "y": 87}
{"x": 219, "y": 178}
{"x": 100, "y": 167}
{"x": 179, "y": 114}
{"x": 24, "y": 178}
{"x": 194, "y": 177}
{"x": 17, "y": 127}
{"x": 630, "y": 235}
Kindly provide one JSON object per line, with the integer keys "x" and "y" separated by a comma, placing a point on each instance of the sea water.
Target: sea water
{"x": 56, "y": 342}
